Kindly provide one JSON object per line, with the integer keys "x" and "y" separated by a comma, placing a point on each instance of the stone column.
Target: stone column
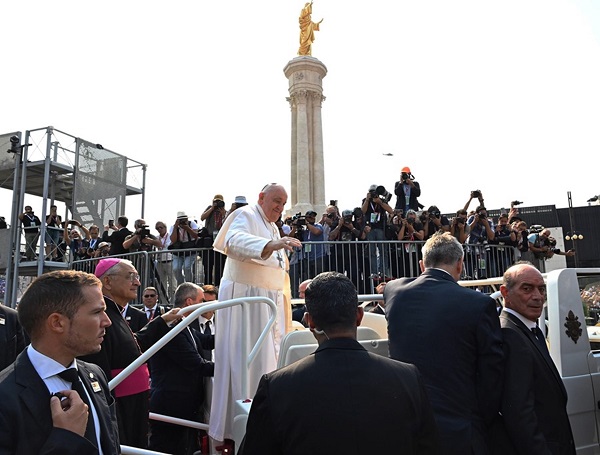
{"x": 305, "y": 75}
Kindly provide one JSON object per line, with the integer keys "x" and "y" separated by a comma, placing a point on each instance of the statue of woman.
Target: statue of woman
{"x": 307, "y": 30}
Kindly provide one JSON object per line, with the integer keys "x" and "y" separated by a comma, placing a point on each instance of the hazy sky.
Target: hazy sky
{"x": 500, "y": 96}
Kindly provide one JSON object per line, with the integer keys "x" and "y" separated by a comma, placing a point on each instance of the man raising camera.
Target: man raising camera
{"x": 459, "y": 227}
{"x": 407, "y": 190}
{"x": 213, "y": 217}
{"x": 543, "y": 247}
{"x": 375, "y": 209}
{"x": 481, "y": 233}
{"x": 141, "y": 239}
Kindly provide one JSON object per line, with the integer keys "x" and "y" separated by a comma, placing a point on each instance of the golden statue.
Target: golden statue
{"x": 307, "y": 30}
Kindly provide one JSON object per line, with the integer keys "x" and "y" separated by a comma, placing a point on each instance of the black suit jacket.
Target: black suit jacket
{"x": 116, "y": 240}
{"x": 341, "y": 400}
{"x": 12, "y": 340}
{"x": 534, "y": 400}
{"x": 452, "y": 334}
{"x": 135, "y": 318}
{"x": 25, "y": 418}
{"x": 413, "y": 202}
{"x": 177, "y": 372}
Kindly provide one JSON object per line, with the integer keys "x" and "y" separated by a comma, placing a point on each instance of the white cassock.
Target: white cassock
{"x": 242, "y": 238}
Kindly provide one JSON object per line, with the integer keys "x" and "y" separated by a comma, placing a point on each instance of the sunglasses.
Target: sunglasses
{"x": 147, "y": 296}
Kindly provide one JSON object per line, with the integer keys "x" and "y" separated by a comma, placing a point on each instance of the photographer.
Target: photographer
{"x": 459, "y": 227}
{"x": 213, "y": 217}
{"x": 543, "y": 247}
{"x": 240, "y": 201}
{"x": 89, "y": 243}
{"x": 411, "y": 230}
{"x": 375, "y": 210}
{"x": 506, "y": 239}
{"x": 182, "y": 235}
{"x": 308, "y": 230}
{"x": 330, "y": 220}
{"x": 31, "y": 229}
{"x": 481, "y": 233}
{"x": 407, "y": 190}
{"x": 72, "y": 238}
{"x": 141, "y": 239}
{"x": 347, "y": 254}
{"x": 435, "y": 222}
{"x": 53, "y": 230}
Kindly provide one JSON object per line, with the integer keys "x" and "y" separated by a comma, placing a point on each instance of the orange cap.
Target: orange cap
{"x": 405, "y": 169}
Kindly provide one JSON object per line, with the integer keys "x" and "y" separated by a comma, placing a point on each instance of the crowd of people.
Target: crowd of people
{"x": 455, "y": 384}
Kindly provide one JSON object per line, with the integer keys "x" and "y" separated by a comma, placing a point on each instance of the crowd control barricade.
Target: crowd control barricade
{"x": 394, "y": 259}
{"x": 195, "y": 311}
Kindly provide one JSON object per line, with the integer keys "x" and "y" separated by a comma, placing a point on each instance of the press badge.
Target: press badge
{"x": 96, "y": 387}
{"x": 2, "y": 321}
{"x": 374, "y": 217}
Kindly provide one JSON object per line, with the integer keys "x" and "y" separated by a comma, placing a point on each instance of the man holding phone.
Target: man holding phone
{"x": 118, "y": 235}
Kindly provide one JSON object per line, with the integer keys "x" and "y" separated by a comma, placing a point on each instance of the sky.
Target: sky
{"x": 470, "y": 94}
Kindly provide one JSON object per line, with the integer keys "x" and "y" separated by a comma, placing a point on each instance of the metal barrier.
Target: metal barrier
{"x": 197, "y": 310}
{"x": 393, "y": 259}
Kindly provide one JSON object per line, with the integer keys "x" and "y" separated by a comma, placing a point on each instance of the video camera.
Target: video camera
{"x": 299, "y": 220}
{"x": 380, "y": 192}
{"x": 219, "y": 203}
{"x": 476, "y": 194}
{"x": 144, "y": 231}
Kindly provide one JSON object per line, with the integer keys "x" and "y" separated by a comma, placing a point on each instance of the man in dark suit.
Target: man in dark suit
{"x": 64, "y": 314}
{"x": 151, "y": 307}
{"x": 12, "y": 341}
{"x": 178, "y": 371}
{"x": 452, "y": 334}
{"x": 319, "y": 405}
{"x": 534, "y": 400}
{"x": 134, "y": 317}
{"x": 117, "y": 238}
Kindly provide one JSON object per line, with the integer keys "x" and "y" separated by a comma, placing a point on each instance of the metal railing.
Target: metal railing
{"x": 195, "y": 311}
{"x": 366, "y": 263}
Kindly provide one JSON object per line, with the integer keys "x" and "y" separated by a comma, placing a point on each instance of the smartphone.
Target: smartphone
{"x": 111, "y": 223}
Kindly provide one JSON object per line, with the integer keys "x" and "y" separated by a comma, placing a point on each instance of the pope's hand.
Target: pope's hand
{"x": 289, "y": 243}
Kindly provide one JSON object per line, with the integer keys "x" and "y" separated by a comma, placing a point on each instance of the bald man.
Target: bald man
{"x": 256, "y": 266}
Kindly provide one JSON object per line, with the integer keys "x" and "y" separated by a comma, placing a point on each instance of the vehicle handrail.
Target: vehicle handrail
{"x": 197, "y": 310}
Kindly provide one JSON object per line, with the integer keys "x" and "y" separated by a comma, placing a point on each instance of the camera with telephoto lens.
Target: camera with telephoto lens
{"x": 404, "y": 177}
{"x": 482, "y": 215}
{"x": 183, "y": 221}
{"x": 476, "y": 194}
{"x": 379, "y": 191}
{"x": 357, "y": 213}
{"x": 219, "y": 203}
{"x": 435, "y": 214}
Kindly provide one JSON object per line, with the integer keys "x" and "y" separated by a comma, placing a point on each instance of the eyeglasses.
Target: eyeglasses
{"x": 149, "y": 296}
{"x": 131, "y": 276}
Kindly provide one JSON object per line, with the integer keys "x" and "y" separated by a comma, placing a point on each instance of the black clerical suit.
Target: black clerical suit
{"x": 341, "y": 400}
{"x": 178, "y": 371}
{"x": 534, "y": 400}
{"x": 12, "y": 339}
{"x": 26, "y": 421}
{"x": 119, "y": 349}
{"x": 452, "y": 334}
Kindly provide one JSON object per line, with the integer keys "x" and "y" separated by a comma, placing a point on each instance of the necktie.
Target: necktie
{"x": 540, "y": 339}
{"x": 71, "y": 376}
{"x": 150, "y": 315}
{"x": 207, "y": 330}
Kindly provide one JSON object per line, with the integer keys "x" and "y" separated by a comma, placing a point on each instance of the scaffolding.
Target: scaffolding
{"x": 92, "y": 181}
